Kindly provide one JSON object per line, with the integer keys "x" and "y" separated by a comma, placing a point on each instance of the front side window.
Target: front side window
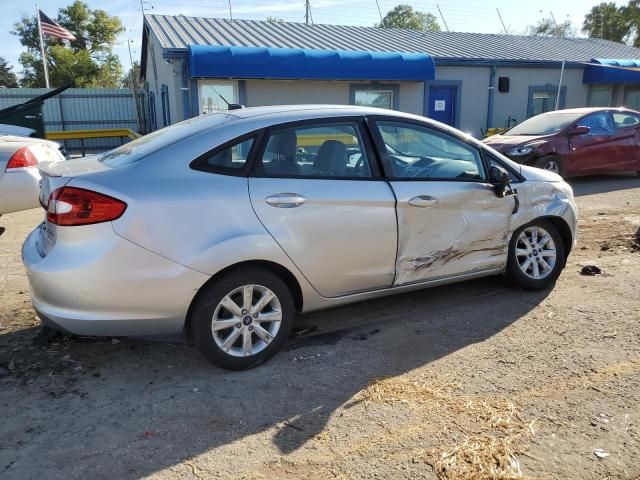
{"x": 379, "y": 98}
{"x": 422, "y": 153}
{"x": 213, "y": 93}
{"x": 625, "y": 120}
{"x": 318, "y": 151}
{"x": 599, "y": 123}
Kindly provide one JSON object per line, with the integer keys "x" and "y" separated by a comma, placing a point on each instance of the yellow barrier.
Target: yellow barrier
{"x": 99, "y": 133}
{"x": 495, "y": 131}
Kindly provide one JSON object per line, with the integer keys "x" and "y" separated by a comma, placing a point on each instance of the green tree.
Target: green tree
{"x": 547, "y": 27}
{"x": 607, "y": 21}
{"x": 87, "y": 61}
{"x": 631, "y": 12}
{"x": 404, "y": 16}
{"x": 8, "y": 79}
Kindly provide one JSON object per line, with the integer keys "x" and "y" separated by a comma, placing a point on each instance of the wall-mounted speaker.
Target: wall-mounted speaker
{"x": 503, "y": 84}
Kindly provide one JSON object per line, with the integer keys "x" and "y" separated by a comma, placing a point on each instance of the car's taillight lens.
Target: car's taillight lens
{"x": 22, "y": 158}
{"x": 69, "y": 206}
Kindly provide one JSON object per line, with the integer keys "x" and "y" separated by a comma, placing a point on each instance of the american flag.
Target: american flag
{"x": 49, "y": 27}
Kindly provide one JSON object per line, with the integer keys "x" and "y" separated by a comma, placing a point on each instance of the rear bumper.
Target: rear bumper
{"x": 19, "y": 190}
{"x": 106, "y": 285}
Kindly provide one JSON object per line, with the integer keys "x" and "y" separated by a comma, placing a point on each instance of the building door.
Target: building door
{"x": 442, "y": 100}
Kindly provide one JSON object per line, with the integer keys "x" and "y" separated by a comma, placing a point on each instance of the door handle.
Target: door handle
{"x": 423, "y": 201}
{"x": 285, "y": 200}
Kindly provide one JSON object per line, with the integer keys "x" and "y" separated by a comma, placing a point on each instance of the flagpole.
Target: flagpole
{"x": 44, "y": 58}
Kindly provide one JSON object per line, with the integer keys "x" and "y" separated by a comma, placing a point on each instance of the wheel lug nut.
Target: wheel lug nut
{"x": 244, "y": 312}
{"x": 250, "y": 328}
{"x": 255, "y": 315}
{"x": 238, "y": 325}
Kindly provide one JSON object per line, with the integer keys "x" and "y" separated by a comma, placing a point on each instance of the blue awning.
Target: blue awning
{"x": 612, "y": 71}
{"x": 297, "y": 64}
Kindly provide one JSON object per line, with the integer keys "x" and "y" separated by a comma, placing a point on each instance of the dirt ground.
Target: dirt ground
{"x": 432, "y": 384}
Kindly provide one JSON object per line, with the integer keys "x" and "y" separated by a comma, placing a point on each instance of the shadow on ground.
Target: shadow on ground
{"x": 134, "y": 408}
{"x": 595, "y": 184}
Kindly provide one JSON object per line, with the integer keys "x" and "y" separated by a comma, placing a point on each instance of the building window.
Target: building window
{"x": 632, "y": 98}
{"x": 379, "y": 96}
{"x": 600, "y": 96}
{"x": 543, "y": 99}
{"x": 212, "y": 92}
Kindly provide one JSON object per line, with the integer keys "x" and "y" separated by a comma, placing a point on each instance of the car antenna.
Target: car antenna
{"x": 230, "y": 106}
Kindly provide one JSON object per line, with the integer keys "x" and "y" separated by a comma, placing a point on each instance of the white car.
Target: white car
{"x": 19, "y": 175}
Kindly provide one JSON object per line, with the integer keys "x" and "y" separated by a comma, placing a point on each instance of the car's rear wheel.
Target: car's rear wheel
{"x": 536, "y": 255}
{"x": 243, "y": 319}
{"x": 550, "y": 163}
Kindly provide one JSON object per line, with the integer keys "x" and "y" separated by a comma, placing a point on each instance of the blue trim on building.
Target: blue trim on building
{"x": 375, "y": 86}
{"x": 297, "y": 64}
{"x": 492, "y": 94}
{"x": 612, "y": 71}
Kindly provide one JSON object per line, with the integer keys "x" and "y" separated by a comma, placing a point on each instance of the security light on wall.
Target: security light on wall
{"x": 503, "y": 84}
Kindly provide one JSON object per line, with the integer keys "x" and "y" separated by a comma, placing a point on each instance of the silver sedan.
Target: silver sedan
{"x": 19, "y": 176}
{"x": 226, "y": 226}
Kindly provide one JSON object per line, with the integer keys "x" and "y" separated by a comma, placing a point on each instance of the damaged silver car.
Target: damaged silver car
{"x": 224, "y": 227}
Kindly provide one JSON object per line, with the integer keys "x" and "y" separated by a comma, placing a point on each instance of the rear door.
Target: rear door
{"x": 627, "y": 152}
{"x": 450, "y": 221}
{"x": 595, "y": 151}
{"x": 316, "y": 188}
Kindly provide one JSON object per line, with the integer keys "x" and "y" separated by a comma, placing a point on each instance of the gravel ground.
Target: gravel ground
{"x": 420, "y": 385}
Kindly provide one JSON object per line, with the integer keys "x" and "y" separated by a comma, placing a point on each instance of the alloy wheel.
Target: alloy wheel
{"x": 246, "y": 320}
{"x": 552, "y": 166}
{"x": 535, "y": 252}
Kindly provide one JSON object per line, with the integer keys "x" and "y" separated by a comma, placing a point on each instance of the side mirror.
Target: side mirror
{"x": 579, "y": 130}
{"x": 499, "y": 178}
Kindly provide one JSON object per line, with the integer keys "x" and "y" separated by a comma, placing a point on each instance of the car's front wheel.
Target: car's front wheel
{"x": 536, "y": 255}
{"x": 550, "y": 163}
{"x": 243, "y": 319}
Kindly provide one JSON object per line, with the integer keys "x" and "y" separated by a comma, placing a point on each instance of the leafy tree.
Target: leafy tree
{"x": 8, "y": 79}
{"x": 547, "y": 27}
{"x": 607, "y": 21}
{"x": 87, "y": 61}
{"x": 404, "y": 16}
{"x": 631, "y": 12}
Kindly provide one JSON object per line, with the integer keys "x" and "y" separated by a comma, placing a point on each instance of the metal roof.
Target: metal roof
{"x": 177, "y": 32}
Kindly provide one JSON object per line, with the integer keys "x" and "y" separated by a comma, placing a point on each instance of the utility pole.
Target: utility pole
{"x": 442, "y": 17}
{"x": 554, "y": 20}
{"x": 506, "y": 31}
{"x": 380, "y": 13}
{"x": 230, "y": 12}
{"x": 601, "y": 26}
{"x": 306, "y": 12}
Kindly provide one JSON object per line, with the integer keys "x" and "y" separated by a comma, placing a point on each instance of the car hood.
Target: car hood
{"x": 503, "y": 143}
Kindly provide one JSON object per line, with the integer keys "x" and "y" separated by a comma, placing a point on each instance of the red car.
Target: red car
{"x": 578, "y": 141}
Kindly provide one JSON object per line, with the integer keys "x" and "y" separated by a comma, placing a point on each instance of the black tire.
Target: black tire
{"x": 514, "y": 273}
{"x": 205, "y": 306}
{"x": 546, "y": 161}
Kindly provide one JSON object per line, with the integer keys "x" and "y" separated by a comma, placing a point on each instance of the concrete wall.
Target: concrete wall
{"x": 514, "y": 103}
{"x": 168, "y": 72}
{"x": 288, "y": 92}
{"x": 473, "y": 95}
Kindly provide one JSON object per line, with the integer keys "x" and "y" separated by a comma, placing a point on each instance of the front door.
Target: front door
{"x": 450, "y": 221}
{"x": 595, "y": 151}
{"x": 442, "y": 100}
{"x": 316, "y": 190}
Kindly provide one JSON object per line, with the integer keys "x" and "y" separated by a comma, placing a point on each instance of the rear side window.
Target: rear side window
{"x": 232, "y": 158}
{"x": 331, "y": 150}
{"x": 625, "y": 120}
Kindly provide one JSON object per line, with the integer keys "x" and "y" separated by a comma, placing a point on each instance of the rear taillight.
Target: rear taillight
{"x": 69, "y": 206}
{"x": 22, "y": 158}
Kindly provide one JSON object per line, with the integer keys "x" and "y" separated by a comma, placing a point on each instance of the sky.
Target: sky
{"x": 471, "y": 16}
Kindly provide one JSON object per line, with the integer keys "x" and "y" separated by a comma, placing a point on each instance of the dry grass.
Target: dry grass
{"x": 491, "y": 431}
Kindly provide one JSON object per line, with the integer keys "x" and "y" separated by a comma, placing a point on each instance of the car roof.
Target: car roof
{"x": 586, "y": 110}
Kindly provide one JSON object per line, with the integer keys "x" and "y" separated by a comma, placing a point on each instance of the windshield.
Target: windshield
{"x": 545, "y": 124}
{"x": 136, "y": 150}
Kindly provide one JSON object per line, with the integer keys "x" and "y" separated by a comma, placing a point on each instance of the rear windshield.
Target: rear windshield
{"x": 144, "y": 146}
{"x": 545, "y": 124}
